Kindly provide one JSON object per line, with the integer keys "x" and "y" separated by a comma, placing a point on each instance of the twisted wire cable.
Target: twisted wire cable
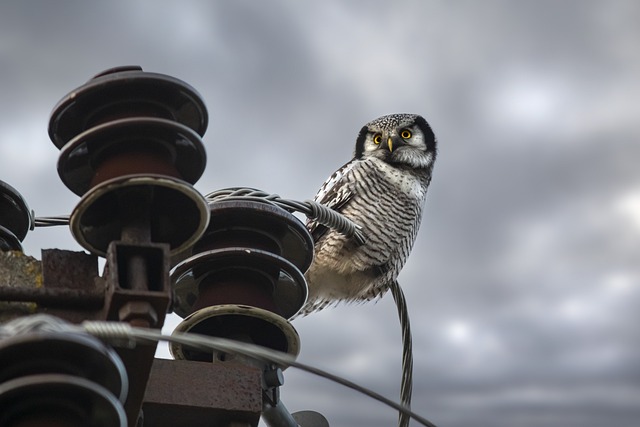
{"x": 406, "y": 384}
{"x": 311, "y": 209}
{"x": 51, "y": 221}
{"x": 33, "y": 323}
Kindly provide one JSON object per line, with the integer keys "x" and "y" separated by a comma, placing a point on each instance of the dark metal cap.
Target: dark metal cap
{"x": 126, "y": 92}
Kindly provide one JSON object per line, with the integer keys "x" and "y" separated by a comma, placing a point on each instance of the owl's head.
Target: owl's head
{"x": 404, "y": 140}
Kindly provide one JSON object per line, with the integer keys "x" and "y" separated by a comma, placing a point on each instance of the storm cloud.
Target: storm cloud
{"x": 524, "y": 283}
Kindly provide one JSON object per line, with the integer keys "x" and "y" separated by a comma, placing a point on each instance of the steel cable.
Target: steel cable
{"x": 406, "y": 383}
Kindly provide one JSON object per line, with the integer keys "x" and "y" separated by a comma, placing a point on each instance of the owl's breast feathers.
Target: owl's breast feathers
{"x": 385, "y": 201}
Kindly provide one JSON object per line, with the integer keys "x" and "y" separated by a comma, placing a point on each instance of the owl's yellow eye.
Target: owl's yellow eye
{"x": 377, "y": 138}
{"x": 405, "y": 134}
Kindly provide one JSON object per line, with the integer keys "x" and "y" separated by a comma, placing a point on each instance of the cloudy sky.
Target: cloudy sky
{"x": 524, "y": 283}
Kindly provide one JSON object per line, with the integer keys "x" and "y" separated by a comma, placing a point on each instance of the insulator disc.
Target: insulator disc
{"x": 177, "y": 214}
{"x": 131, "y": 146}
{"x": 126, "y": 92}
{"x": 63, "y": 353}
{"x": 67, "y": 400}
{"x": 248, "y": 324}
{"x": 290, "y": 289}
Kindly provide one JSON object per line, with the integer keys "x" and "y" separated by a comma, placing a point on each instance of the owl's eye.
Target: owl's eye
{"x": 405, "y": 134}
{"x": 377, "y": 138}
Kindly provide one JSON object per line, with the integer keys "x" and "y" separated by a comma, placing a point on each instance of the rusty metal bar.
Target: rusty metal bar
{"x": 54, "y": 297}
{"x": 200, "y": 394}
{"x": 138, "y": 293}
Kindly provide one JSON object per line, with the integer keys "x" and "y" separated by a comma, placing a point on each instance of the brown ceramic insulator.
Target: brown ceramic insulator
{"x": 59, "y": 353}
{"x": 238, "y": 322}
{"x": 242, "y": 238}
{"x": 125, "y": 121}
{"x": 131, "y": 146}
{"x": 132, "y": 108}
{"x": 167, "y": 211}
{"x": 67, "y": 399}
{"x": 259, "y": 225}
{"x": 72, "y": 379}
{"x": 262, "y": 279}
{"x": 251, "y": 254}
{"x": 237, "y": 286}
{"x": 134, "y": 160}
{"x": 123, "y": 92}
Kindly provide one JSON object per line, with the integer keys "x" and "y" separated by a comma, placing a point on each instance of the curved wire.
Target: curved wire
{"x": 406, "y": 383}
{"x": 311, "y": 209}
{"x": 124, "y": 334}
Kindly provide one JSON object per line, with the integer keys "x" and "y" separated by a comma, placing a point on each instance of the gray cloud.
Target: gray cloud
{"x": 523, "y": 285}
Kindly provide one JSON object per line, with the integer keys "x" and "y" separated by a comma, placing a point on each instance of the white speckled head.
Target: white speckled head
{"x": 399, "y": 139}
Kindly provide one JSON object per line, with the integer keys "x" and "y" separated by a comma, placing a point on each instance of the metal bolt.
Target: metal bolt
{"x": 273, "y": 377}
{"x": 138, "y": 313}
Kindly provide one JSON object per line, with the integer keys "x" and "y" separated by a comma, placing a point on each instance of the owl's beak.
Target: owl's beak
{"x": 394, "y": 141}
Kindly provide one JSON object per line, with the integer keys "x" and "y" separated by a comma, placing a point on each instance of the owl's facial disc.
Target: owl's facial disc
{"x": 393, "y": 141}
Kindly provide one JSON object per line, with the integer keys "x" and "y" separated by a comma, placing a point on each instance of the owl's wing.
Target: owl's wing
{"x": 334, "y": 194}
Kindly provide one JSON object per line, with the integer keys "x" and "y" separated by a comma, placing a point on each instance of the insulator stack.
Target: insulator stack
{"x": 131, "y": 147}
{"x": 245, "y": 278}
{"x": 56, "y": 379}
{"x": 15, "y": 218}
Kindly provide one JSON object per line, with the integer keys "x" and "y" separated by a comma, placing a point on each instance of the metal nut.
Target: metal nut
{"x": 138, "y": 313}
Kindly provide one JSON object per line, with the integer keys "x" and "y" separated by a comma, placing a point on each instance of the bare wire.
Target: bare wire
{"x": 117, "y": 332}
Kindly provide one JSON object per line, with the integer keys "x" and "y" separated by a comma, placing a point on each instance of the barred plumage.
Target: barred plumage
{"x": 382, "y": 189}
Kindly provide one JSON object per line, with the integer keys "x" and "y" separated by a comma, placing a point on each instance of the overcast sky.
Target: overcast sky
{"x": 524, "y": 283}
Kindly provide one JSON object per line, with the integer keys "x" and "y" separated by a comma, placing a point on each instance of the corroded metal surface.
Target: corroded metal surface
{"x": 18, "y": 273}
{"x": 199, "y": 394}
{"x": 76, "y": 292}
{"x": 64, "y": 284}
{"x": 138, "y": 293}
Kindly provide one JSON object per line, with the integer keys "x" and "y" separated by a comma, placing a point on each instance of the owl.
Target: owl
{"x": 383, "y": 190}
